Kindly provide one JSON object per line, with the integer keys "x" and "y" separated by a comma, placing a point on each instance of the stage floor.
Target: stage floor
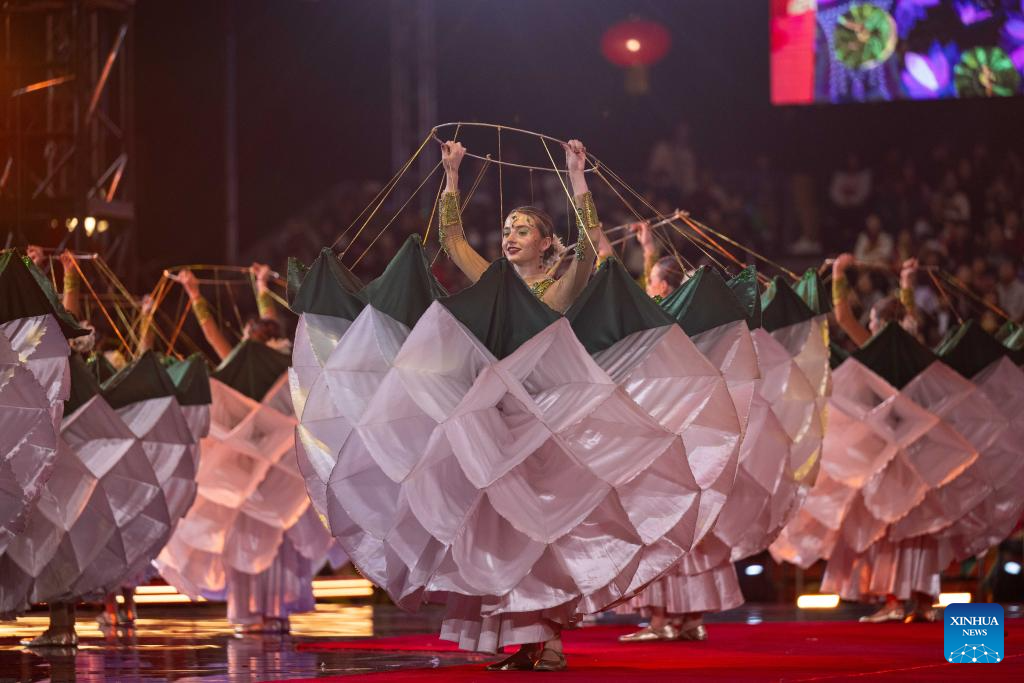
{"x": 380, "y": 643}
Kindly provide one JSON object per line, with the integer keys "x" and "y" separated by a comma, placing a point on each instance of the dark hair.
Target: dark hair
{"x": 264, "y": 329}
{"x": 671, "y": 272}
{"x": 889, "y": 310}
{"x": 544, "y": 223}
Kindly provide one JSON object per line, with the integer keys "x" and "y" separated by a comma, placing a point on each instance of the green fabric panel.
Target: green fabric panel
{"x": 83, "y": 384}
{"x": 895, "y": 355}
{"x": 297, "y": 271}
{"x": 1012, "y": 336}
{"x": 744, "y": 286}
{"x": 612, "y": 307}
{"x": 782, "y": 307}
{"x": 969, "y": 350}
{"x": 142, "y": 379}
{"x": 101, "y": 368}
{"x": 500, "y": 310}
{"x": 812, "y": 290}
{"x": 25, "y": 292}
{"x": 191, "y": 380}
{"x": 252, "y": 369}
{"x": 836, "y": 355}
{"x": 703, "y": 302}
{"x": 329, "y": 288}
{"x": 407, "y": 287}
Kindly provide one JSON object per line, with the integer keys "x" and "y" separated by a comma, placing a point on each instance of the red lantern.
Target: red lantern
{"x": 635, "y": 43}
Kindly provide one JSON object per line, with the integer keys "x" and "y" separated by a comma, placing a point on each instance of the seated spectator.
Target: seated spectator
{"x": 1010, "y": 291}
{"x": 874, "y": 246}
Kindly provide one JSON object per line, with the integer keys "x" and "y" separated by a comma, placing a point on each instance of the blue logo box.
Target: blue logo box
{"x": 973, "y": 633}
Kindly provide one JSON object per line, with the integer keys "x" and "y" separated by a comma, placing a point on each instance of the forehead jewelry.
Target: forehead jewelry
{"x": 516, "y": 216}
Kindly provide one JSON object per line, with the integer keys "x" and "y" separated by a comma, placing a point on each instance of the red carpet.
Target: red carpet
{"x": 794, "y": 651}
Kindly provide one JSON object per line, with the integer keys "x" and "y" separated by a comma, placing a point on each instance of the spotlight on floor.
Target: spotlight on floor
{"x": 951, "y": 598}
{"x": 754, "y": 569}
{"x": 818, "y": 601}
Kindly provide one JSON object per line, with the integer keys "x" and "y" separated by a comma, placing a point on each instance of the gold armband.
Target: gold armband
{"x": 586, "y": 214}
{"x": 265, "y": 304}
{"x": 840, "y": 289}
{"x": 202, "y": 311}
{"x": 449, "y": 215}
{"x": 907, "y": 298}
{"x": 71, "y": 281}
{"x": 450, "y": 211}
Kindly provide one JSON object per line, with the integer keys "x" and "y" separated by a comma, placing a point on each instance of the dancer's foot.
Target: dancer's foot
{"x": 521, "y": 660}
{"x": 926, "y": 615}
{"x": 550, "y": 660}
{"x": 54, "y": 638}
{"x": 889, "y": 612}
{"x": 695, "y": 632}
{"x": 649, "y": 633}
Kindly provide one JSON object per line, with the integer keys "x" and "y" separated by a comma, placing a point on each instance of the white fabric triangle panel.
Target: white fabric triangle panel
{"x": 251, "y": 490}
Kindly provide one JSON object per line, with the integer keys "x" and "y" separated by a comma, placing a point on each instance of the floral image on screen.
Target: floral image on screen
{"x": 834, "y": 51}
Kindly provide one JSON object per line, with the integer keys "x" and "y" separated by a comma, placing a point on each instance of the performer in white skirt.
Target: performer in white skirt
{"x": 251, "y": 538}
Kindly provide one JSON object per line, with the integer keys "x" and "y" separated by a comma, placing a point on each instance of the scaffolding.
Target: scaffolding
{"x": 67, "y": 125}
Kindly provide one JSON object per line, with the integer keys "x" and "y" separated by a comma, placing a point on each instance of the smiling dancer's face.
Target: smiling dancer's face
{"x": 522, "y": 241}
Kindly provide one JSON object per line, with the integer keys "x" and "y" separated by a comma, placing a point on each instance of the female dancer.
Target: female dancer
{"x": 528, "y": 240}
{"x": 530, "y": 245}
{"x": 272, "y": 539}
{"x": 916, "y": 573}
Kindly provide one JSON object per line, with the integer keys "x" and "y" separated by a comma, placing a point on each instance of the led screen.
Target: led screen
{"x": 833, "y": 51}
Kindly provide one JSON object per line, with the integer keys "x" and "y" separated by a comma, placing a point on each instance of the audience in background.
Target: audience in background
{"x": 958, "y": 211}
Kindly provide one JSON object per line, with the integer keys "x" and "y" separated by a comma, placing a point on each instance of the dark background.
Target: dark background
{"x": 313, "y": 100}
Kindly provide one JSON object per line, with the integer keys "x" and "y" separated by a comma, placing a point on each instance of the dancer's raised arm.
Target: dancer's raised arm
{"x": 564, "y": 291}
{"x": 841, "y": 301}
{"x": 204, "y": 316}
{"x": 450, "y": 231}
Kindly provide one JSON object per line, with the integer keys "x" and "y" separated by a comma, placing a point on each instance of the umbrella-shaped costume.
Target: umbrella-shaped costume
{"x": 34, "y": 382}
{"x": 124, "y": 475}
{"x": 251, "y": 537}
{"x": 904, "y": 432}
{"x": 481, "y": 451}
{"x": 772, "y": 350}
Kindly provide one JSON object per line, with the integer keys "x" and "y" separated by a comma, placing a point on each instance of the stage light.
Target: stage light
{"x": 753, "y": 570}
{"x": 950, "y": 598}
{"x": 71, "y": 224}
{"x": 90, "y": 225}
{"x": 342, "y": 588}
{"x": 322, "y": 588}
{"x": 818, "y": 601}
{"x": 633, "y": 45}
{"x": 102, "y": 225}
{"x": 1012, "y": 568}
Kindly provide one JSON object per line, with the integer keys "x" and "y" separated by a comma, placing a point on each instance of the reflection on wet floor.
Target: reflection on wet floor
{"x": 196, "y": 643}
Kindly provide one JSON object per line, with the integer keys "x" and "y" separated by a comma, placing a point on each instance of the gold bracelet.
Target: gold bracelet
{"x": 840, "y": 289}
{"x": 586, "y": 214}
{"x": 202, "y": 311}
{"x": 265, "y": 304}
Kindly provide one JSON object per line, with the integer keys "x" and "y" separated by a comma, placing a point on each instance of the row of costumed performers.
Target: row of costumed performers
{"x": 554, "y": 441}
{"x": 147, "y": 464}
{"x": 536, "y": 448}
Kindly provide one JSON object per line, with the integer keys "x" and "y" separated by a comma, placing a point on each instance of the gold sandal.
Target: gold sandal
{"x": 649, "y": 633}
{"x": 541, "y": 664}
{"x": 520, "y": 660}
